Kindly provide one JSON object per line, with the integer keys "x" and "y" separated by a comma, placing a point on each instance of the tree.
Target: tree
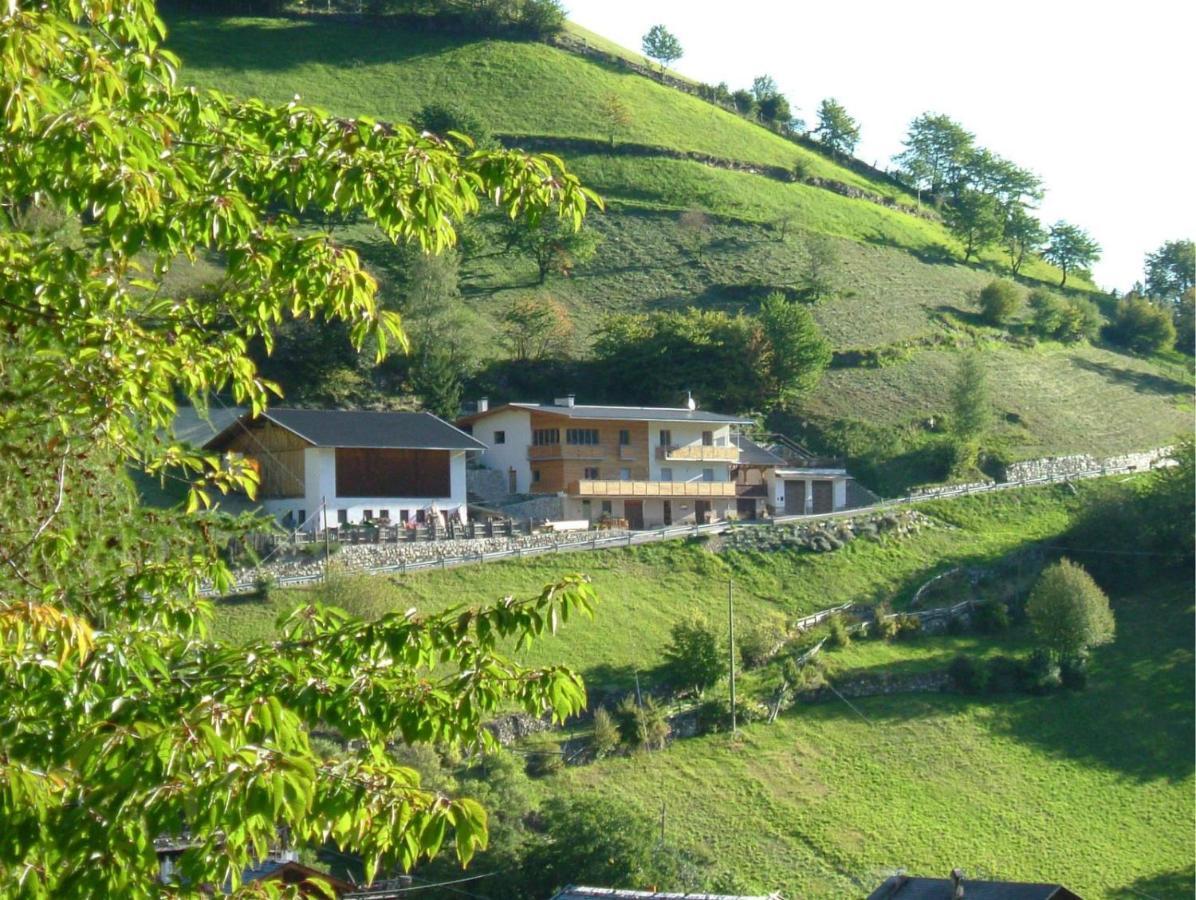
{"x": 694, "y": 227}
{"x": 1023, "y": 235}
{"x": 1141, "y": 326}
{"x": 615, "y": 116}
{"x": 1171, "y": 270}
{"x": 1066, "y": 319}
{"x": 775, "y": 108}
{"x": 537, "y": 326}
{"x": 1068, "y": 611}
{"x": 1069, "y": 248}
{"x": 999, "y": 301}
{"x": 763, "y": 87}
{"x": 820, "y": 277}
{"x": 694, "y": 657}
{"x": 124, "y": 719}
{"x": 553, "y": 246}
{"x": 796, "y": 352}
{"x": 745, "y": 103}
{"x": 971, "y": 410}
{"x": 975, "y": 219}
{"x": 446, "y": 118}
{"x": 437, "y": 377}
{"x": 661, "y": 45}
{"x": 1185, "y": 322}
{"x": 836, "y": 130}
{"x": 936, "y": 151}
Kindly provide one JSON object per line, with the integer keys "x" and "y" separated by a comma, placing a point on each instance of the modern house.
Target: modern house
{"x": 575, "y": 892}
{"x": 328, "y": 468}
{"x": 647, "y": 466}
{"x": 904, "y": 887}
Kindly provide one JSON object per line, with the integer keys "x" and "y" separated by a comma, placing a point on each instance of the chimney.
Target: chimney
{"x": 566, "y": 401}
{"x": 957, "y": 881}
{"x": 483, "y": 404}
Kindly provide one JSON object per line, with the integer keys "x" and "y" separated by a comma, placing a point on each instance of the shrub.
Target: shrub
{"x": 1073, "y": 672}
{"x": 263, "y": 584}
{"x": 1067, "y": 319}
{"x": 760, "y": 642}
{"x": 968, "y": 675}
{"x": 605, "y": 738}
{"x": 887, "y": 627}
{"x": 909, "y": 625}
{"x": 1006, "y": 674}
{"x": 713, "y": 715}
{"x": 840, "y": 635}
{"x": 693, "y": 657}
{"x": 1068, "y": 611}
{"x": 540, "y": 18}
{"x": 544, "y": 759}
{"x": 990, "y": 617}
{"x": 1140, "y": 326}
{"x": 643, "y": 726}
{"x": 1042, "y": 674}
{"x": 999, "y": 301}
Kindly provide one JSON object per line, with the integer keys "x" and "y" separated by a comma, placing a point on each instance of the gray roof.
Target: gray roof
{"x": 635, "y": 413}
{"x": 752, "y": 454}
{"x": 364, "y": 429}
{"x": 902, "y": 887}
{"x": 573, "y": 892}
{"x": 194, "y": 427}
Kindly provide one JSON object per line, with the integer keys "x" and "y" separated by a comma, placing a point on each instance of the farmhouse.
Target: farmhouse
{"x": 327, "y": 468}
{"x": 903, "y": 887}
{"x": 649, "y": 466}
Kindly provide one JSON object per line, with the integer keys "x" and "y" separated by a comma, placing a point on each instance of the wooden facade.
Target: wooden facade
{"x": 375, "y": 472}
{"x": 278, "y": 455}
{"x": 568, "y": 464}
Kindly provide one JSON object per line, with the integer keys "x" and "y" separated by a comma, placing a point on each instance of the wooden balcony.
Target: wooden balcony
{"x": 564, "y": 451}
{"x": 651, "y": 489}
{"x": 698, "y": 453}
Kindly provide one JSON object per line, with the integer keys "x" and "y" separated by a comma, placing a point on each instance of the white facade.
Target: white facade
{"x": 319, "y": 492}
{"x": 778, "y": 480}
{"x": 686, "y": 435}
{"x": 514, "y": 427}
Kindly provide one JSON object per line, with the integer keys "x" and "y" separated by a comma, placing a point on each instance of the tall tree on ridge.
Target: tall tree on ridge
{"x": 662, "y": 45}
{"x": 1070, "y": 247}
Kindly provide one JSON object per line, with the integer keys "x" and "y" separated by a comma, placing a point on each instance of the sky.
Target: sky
{"x": 1097, "y": 98}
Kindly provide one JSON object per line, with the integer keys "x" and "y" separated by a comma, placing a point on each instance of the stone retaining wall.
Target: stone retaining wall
{"x": 488, "y": 484}
{"x": 878, "y": 685}
{"x": 826, "y": 535}
{"x": 1056, "y": 466}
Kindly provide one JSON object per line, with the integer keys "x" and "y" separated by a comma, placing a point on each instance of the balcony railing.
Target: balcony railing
{"x": 652, "y": 488}
{"x": 564, "y": 451}
{"x": 698, "y": 452}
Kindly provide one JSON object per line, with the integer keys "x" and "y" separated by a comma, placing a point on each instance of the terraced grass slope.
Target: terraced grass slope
{"x": 901, "y": 279}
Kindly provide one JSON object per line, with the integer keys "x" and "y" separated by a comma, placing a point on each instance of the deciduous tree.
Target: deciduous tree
{"x": 661, "y": 45}
{"x": 1022, "y": 235}
{"x": 837, "y": 130}
{"x": 796, "y": 352}
{"x": 1068, "y": 611}
{"x": 614, "y": 115}
{"x": 1171, "y": 270}
{"x": 999, "y": 301}
{"x": 121, "y": 718}
{"x": 694, "y": 657}
{"x": 1070, "y": 247}
{"x": 975, "y": 219}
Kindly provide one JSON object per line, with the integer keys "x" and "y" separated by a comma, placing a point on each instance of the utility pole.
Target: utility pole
{"x": 662, "y": 813}
{"x": 324, "y": 522}
{"x": 731, "y": 644}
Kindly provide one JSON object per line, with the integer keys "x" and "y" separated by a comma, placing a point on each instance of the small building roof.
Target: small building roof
{"x": 904, "y": 887}
{"x": 577, "y": 892}
{"x": 360, "y": 429}
{"x": 752, "y": 454}
{"x": 619, "y": 413}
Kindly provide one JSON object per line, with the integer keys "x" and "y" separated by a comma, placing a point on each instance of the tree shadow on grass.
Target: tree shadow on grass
{"x": 1141, "y": 382}
{"x": 1136, "y": 716}
{"x": 1177, "y": 885}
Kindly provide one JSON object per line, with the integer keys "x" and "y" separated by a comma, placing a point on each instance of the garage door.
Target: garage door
{"x": 795, "y": 498}
{"x": 824, "y": 496}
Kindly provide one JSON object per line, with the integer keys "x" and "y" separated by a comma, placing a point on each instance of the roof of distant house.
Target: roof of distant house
{"x": 573, "y": 892}
{"x": 359, "y": 429}
{"x": 619, "y": 413}
{"x": 903, "y": 887}
{"x": 752, "y": 454}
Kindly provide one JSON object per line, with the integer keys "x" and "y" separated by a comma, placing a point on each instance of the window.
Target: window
{"x": 707, "y": 438}
{"x": 624, "y": 474}
{"x": 543, "y": 437}
{"x": 666, "y": 474}
{"x": 624, "y": 437}
{"x": 404, "y": 516}
{"x": 302, "y": 517}
{"x": 500, "y": 437}
{"x": 535, "y": 475}
{"x": 666, "y": 438}
{"x": 587, "y": 511}
{"x": 581, "y": 436}
{"x": 591, "y": 473}
{"x": 342, "y": 517}
{"x": 368, "y": 515}
{"x": 606, "y": 508}
{"x": 384, "y": 515}
{"x": 708, "y": 474}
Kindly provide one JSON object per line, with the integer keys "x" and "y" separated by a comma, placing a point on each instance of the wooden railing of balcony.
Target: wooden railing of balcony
{"x": 564, "y": 451}
{"x": 652, "y": 488}
{"x": 698, "y": 452}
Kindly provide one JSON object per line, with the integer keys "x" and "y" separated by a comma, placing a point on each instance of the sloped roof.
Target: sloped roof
{"x": 620, "y": 413}
{"x": 752, "y": 454}
{"x": 575, "y": 892}
{"x": 903, "y": 887}
{"x": 361, "y": 429}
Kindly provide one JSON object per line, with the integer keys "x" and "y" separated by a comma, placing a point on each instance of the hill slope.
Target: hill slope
{"x": 902, "y": 285}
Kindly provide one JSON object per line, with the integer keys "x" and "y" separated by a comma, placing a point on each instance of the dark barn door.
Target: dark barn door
{"x": 633, "y": 512}
{"x": 795, "y": 498}
{"x": 824, "y": 496}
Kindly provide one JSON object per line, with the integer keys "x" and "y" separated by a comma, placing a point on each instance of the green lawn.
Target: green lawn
{"x": 1092, "y": 789}
{"x": 643, "y": 591}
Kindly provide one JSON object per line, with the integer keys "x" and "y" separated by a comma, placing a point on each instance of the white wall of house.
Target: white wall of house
{"x": 320, "y": 487}
{"x": 683, "y": 434}
{"x": 683, "y": 509}
{"x": 776, "y": 490}
{"x": 516, "y": 426}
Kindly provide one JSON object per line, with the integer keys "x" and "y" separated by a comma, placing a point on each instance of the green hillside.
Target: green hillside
{"x": 904, "y": 295}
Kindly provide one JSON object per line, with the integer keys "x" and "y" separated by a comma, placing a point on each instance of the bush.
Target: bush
{"x": 605, "y": 738}
{"x": 1006, "y": 674}
{"x": 1068, "y": 611}
{"x": 693, "y": 657}
{"x": 886, "y": 627}
{"x": 1140, "y": 326}
{"x": 908, "y": 626}
{"x": 1073, "y": 672}
{"x": 643, "y": 726}
{"x": 540, "y": 18}
{"x": 544, "y": 758}
{"x": 1067, "y": 319}
{"x": 840, "y": 635}
{"x": 1042, "y": 674}
{"x": 759, "y": 643}
{"x": 968, "y": 675}
{"x": 999, "y": 301}
{"x": 990, "y": 617}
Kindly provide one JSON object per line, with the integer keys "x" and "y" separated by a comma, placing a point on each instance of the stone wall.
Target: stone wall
{"x": 825, "y": 535}
{"x": 878, "y": 685}
{"x": 489, "y": 485}
{"x": 1061, "y": 466}
{"x": 539, "y": 509}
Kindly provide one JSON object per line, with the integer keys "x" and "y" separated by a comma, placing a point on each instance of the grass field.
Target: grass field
{"x": 657, "y": 585}
{"x": 1091, "y": 789}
